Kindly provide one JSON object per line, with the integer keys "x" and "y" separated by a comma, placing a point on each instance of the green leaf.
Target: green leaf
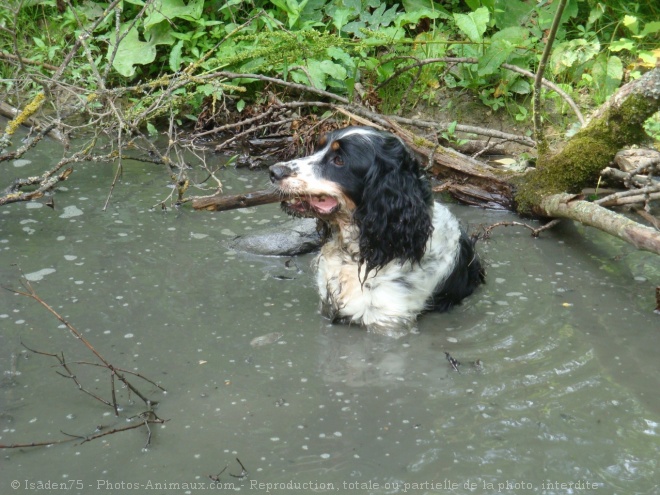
{"x": 380, "y": 16}
{"x": 649, "y": 28}
{"x": 175, "y": 56}
{"x": 496, "y": 54}
{"x": 546, "y": 14}
{"x": 340, "y": 18}
{"x": 160, "y": 34}
{"x": 319, "y": 72}
{"x": 206, "y": 89}
{"x": 474, "y": 24}
{"x": 240, "y": 105}
{"x": 649, "y": 58}
{"x": 510, "y": 13}
{"x": 521, "y": 87}
{"x": 354, "y": 5}
{"x": 412, "y": 6}
{"x": 607, "y": 74}
{"x": 402, "y": 20}
{"x": 473, "y": 4}
{"x": 622, "y": 44}
{"x": 166, "y": 10}
{"x": 292, "y": 8}
{"x": 514, "y": 35}
{"x": 354, "y": 28}
{"x": 596, "y": 14}
{"x": 573, "y": 53}
{"x": 151, "y": 129}
{"x": 632, "y": 23}
{"x": 131, "y": 52}
{"x": 340, "y": 55}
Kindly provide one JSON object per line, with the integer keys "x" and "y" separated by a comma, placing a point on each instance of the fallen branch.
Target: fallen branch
{"x": 45, "y": 184}
{"x": 15, "y": 58}
{"x": 11, "y": 112}
{"x": 470, "y": 129}
{"x": 536, "y": 231}
{"x": 221, "y": 203}
{"x": 631, "y": 196}
{"x": 619, "y": 175}
{"x": 115, "y": 372}
{"x": 147, "y": 417}
{"x": 570, "y": 206}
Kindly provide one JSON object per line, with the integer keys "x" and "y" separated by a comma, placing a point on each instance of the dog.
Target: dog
{"x": 391, "y": 251}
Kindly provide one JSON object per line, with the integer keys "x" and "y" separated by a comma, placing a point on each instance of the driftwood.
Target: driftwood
{"x": 220, "y": 202}
{"x": 587, "y": 213}
{"x": 633, "y": 159}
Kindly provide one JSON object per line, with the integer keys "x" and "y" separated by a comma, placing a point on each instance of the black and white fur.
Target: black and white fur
{"x": 392, "y": 251}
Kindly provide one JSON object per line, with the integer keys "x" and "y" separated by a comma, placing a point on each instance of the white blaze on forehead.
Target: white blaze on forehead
{"x": 306, "y": 178}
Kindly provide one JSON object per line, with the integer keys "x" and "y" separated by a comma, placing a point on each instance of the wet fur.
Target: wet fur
{"x": 392, "y": 252}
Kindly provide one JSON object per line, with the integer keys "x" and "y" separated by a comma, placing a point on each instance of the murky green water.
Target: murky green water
{"x": 565, "y": 399}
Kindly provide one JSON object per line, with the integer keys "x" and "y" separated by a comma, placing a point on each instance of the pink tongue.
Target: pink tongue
{"x": 323, "y": 205}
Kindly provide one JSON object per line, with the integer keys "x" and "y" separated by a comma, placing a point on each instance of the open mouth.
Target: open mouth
{"x": 311, "y": 206}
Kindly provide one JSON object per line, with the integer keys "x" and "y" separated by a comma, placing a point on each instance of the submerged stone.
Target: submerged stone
{"x": 292, "y": 237}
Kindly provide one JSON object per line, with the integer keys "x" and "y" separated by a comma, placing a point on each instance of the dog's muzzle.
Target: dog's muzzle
{"x": 279, "y": 172}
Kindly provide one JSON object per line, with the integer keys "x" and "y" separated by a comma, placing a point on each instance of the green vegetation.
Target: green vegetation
{"x": 333, "y": 44}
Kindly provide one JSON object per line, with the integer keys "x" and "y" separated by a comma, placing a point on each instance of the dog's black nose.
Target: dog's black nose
{"x": 279, "y": 171}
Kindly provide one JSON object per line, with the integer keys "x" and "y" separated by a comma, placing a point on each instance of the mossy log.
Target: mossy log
{"x": 617, "y": 124}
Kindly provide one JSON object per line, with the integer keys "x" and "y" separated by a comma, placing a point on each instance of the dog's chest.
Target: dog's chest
{"x": 391, "y": 295}
{"x": 338, "y": 276}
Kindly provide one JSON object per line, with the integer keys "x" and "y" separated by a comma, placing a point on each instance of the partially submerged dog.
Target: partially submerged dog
{"x": 392, "y": 252}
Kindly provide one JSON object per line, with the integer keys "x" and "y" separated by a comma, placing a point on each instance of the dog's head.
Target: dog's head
{"x": 370, "y": 178}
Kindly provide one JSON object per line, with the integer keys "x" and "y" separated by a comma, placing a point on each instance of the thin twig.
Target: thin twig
{"x": 33, "y": 295}
{"x": 535, "y": 230}
{"x": 71, "y": 375}
{"x": 613, "y": 198}
{"x": 539, "y": 136}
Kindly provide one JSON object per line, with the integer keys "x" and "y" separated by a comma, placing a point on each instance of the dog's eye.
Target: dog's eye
{"x": 338, "y": 160}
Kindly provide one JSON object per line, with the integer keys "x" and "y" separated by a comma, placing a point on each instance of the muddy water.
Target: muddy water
{"x": 557, "y": 391}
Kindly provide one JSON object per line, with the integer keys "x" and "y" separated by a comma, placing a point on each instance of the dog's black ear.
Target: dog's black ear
{"x": 394, "y": 211}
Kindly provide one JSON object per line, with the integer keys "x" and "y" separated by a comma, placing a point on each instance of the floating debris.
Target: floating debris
{"x": 454, "y": 363}
{"x": 269, "y": 338}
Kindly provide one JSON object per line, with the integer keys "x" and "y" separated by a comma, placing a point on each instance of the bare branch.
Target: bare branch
{"x": 571, "y": 206}
{"x": 30, "y": 292}
{"x": 541, "y": 142}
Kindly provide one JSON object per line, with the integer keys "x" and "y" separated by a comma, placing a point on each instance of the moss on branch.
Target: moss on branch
{"x": 579, "y": 163}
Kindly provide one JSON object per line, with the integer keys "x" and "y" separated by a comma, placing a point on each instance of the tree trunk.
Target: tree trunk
{"x": 617, "y": 124}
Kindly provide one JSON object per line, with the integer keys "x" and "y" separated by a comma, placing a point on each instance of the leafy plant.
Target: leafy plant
{"x": 334, "y": 44}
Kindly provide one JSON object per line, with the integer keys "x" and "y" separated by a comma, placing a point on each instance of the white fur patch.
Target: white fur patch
{"x": 390, "y": 299}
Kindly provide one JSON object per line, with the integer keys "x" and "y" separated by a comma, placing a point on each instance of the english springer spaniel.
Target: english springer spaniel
{"x": 391, "y": 251}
